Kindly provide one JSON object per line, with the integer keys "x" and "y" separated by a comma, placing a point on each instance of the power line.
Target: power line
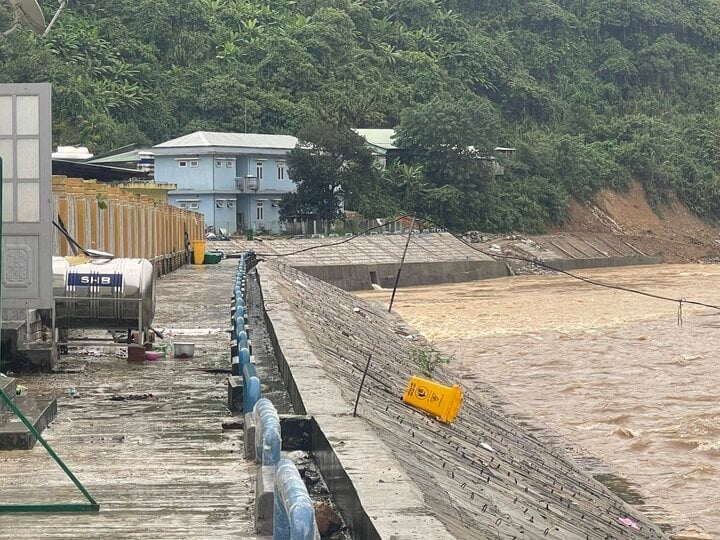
{"x": 537, "y": 262}
{"x": 333, "y": 244}
{"x": 541, "y": 264}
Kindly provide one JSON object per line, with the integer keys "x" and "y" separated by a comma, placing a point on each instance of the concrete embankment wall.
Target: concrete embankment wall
{"x": 359, "y": 277}
{"x": 435, "y": 258}
{"x": 485, "y": 476}
{"x": 103, "y": 217}
{"x": 602, "y": 262}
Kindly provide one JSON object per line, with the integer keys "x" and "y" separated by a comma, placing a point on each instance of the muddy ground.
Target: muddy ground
{"x": 672, "y": 232}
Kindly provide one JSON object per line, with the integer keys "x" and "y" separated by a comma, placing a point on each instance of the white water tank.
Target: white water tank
{"x": 113, "y": 294}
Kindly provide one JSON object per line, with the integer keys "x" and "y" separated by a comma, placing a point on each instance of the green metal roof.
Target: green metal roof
{"x": 381, "y": 138}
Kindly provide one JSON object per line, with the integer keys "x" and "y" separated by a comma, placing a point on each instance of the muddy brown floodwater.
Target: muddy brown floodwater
{"x": 612, "y": 372}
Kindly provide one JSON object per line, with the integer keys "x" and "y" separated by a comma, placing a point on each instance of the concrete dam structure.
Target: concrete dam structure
{"x": 373, "y": 260}
{"x": 395, "y": 471}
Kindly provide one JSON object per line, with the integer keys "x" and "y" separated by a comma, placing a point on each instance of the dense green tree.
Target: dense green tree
{"x": 331, "y": 165}
{"x": 412, "y": 194}
{"x": 452, "y": 141}
{"x": 590, "y": 92}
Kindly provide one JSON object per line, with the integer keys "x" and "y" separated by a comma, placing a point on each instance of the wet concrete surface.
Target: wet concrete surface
{"x": 145, "y": 439}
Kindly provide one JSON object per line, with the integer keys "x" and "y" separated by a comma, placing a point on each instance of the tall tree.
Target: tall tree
{"x": 331, "y": 165}
{"x": 453, "y": 140}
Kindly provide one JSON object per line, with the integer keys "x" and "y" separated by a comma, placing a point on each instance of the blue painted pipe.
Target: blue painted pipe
{"x": 268, "y": 441}
{"x": 244, "y": 357}
{"x": 239, "y": 327}
{"x": 240, "y": 331}
{"x": 251, "y": 387}
{"x": 293, "y": 515}
{"x": 238, "y": 323}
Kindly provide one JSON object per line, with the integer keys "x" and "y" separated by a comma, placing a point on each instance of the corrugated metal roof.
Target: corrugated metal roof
{"x": 236, "y": 140}
{"x": 123, "y": 157}
{"x": 382, "y": 138}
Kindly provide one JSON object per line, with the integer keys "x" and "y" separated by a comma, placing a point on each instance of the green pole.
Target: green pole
{"x": 92, "y": 505}
{"x": 1, "y": 268}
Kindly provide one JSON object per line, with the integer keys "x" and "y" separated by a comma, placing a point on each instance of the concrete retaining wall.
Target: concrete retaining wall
{"x": 376, "y": 497}
{"x": 359, "y": 277}
{"x": 602, "y": 262}
{"x": 397, "y": 473}
{"x": 436, "y": 258}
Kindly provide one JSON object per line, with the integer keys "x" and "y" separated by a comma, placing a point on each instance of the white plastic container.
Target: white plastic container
{"x": 183, "y": 350}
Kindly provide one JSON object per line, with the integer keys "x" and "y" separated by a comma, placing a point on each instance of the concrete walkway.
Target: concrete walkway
{"x": 160, "y": 466}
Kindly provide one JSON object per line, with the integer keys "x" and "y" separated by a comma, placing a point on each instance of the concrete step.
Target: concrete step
{"x": 7, "y": 385}
{"x": 39, "y": 410}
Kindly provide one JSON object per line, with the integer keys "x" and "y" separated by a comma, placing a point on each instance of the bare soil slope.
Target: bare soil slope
{"x": 675, "y": 233}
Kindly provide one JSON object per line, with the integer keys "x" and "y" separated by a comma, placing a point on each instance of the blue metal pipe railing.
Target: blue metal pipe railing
{"x": 268, "y": 441}
{"x": 244, "y": 358}
{"x": 293, "y": 512}
{"x": 251, "y": 387}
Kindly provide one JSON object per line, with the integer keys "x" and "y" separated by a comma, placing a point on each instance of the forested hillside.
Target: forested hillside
{"x": 590, "y": 92}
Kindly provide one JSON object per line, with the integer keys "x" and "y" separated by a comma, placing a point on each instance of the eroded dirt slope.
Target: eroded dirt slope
{"x": 675, "y": 232}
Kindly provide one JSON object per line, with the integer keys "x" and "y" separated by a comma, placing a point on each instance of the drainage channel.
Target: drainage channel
{"x": 296, "y": 437}
{"x": 272, "y": 385}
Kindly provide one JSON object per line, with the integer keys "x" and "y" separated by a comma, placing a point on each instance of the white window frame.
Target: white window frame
{"x": 229, "y": 163}
{"x": 182, "y": 163}
{"x": 281, "y": 169}
{"x": 218, "y": 162}
{"x": 194, "y": 163}
{"x": 194, "y": 205}
{"x": 259, "y": 170}
{"x": 259, "y": 211}
{"x": 220, "y": 203}
{"x": 182, "y": 205}
{"x": 231, "y": 204}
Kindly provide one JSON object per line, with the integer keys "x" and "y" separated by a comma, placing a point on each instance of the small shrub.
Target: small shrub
{"x": 428, "y": 360}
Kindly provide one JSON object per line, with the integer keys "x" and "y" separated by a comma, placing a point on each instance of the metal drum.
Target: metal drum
{"x": 115, "y": 294}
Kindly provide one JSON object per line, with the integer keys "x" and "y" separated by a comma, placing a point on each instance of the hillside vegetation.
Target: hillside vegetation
{"x": 590, "y": 92}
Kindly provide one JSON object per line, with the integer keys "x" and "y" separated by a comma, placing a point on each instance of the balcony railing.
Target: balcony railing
{"x": 247, "y": 183}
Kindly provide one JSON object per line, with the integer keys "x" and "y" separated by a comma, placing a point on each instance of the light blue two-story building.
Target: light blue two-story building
{"x": 235, "y": 179}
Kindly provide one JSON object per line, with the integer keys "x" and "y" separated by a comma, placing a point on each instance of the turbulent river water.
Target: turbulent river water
{"x": 613, "y": 372}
